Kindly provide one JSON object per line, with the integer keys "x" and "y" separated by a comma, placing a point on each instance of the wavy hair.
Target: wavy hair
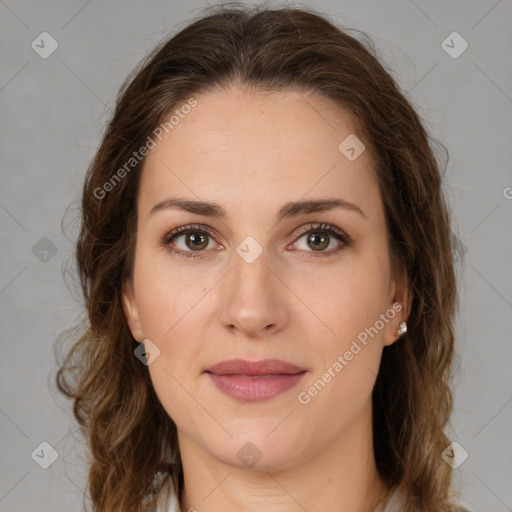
{"x": 131, "y": 439}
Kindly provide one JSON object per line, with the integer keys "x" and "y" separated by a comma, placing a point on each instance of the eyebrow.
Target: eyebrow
{"x": 288, "y": 210}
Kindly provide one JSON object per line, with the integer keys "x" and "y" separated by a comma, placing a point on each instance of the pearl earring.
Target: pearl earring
{"x": 402, "y": 329}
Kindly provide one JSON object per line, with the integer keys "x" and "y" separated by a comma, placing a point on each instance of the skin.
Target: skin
{"x": 251, "y": 154}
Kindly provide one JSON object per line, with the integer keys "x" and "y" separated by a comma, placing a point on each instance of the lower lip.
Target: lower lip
{"x": 255, "y": 388}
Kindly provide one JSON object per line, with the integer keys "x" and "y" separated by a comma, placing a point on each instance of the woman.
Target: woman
{"x": 265, "y": 259}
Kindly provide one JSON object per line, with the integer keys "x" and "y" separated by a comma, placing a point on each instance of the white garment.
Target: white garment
{"x": 174, "y": 506}
{"x": 395, "y": 503}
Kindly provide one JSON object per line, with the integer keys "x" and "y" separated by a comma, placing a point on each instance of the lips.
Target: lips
{"x": 253, "y": 381}
{"x": 252, "y": 368}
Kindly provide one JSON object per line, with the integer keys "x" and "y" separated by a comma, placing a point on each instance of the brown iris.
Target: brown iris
{"x": 197, "y": 241}
{"x": 318, "y": 237}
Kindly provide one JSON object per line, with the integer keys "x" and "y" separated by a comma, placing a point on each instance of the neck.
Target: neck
{"x": 342, "y": 476}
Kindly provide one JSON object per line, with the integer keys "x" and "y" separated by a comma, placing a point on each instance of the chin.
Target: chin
{"x": 254, "y": 449}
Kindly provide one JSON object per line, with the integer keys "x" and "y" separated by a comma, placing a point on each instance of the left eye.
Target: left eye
{"x": 317, "y": 240}
{"x": 320, "y": 237}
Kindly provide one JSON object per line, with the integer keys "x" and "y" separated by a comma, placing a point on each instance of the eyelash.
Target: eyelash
{"x": 198, "y": 228}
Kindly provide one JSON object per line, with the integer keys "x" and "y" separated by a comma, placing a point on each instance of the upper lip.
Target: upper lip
{"x": 263, "y": 367}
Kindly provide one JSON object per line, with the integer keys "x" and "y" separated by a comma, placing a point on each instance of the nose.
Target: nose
{"x": 254, "y": 298}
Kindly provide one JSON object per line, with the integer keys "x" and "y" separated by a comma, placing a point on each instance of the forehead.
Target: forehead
{"x": 254, "y": 148}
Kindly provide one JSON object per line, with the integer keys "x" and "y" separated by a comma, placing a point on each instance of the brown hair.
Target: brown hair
{"x": 132, "y": 439}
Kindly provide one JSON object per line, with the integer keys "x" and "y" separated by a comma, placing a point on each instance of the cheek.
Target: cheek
{"x": 170, "y": 315}
{"x": 347, "y": 344}
{"x": 171, "y": 311}
{"x": 346, "y": 300}
{"x": 165, "y": 296}
{"x": 177, "y": 391}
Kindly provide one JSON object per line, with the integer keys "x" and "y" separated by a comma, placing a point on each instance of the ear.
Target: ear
{"x": 131, "y": 312}
{"x": 401, "y": 302}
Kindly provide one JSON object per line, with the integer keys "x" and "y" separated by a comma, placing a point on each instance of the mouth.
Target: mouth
{"x": 248, "y": 381}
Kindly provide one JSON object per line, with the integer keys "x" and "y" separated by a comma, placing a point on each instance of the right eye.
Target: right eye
{"x": 196, "y": 239}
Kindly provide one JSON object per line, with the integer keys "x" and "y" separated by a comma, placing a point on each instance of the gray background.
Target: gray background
{"x": 53, "y": 112}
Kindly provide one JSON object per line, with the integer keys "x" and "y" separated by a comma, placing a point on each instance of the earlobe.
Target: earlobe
{"x": 131, "y": 311}
{"x": 400, "y": 308}
{"x": 397, "y": 324}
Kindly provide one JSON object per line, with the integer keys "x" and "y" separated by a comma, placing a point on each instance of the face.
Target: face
{"x": 257, "y": 275}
